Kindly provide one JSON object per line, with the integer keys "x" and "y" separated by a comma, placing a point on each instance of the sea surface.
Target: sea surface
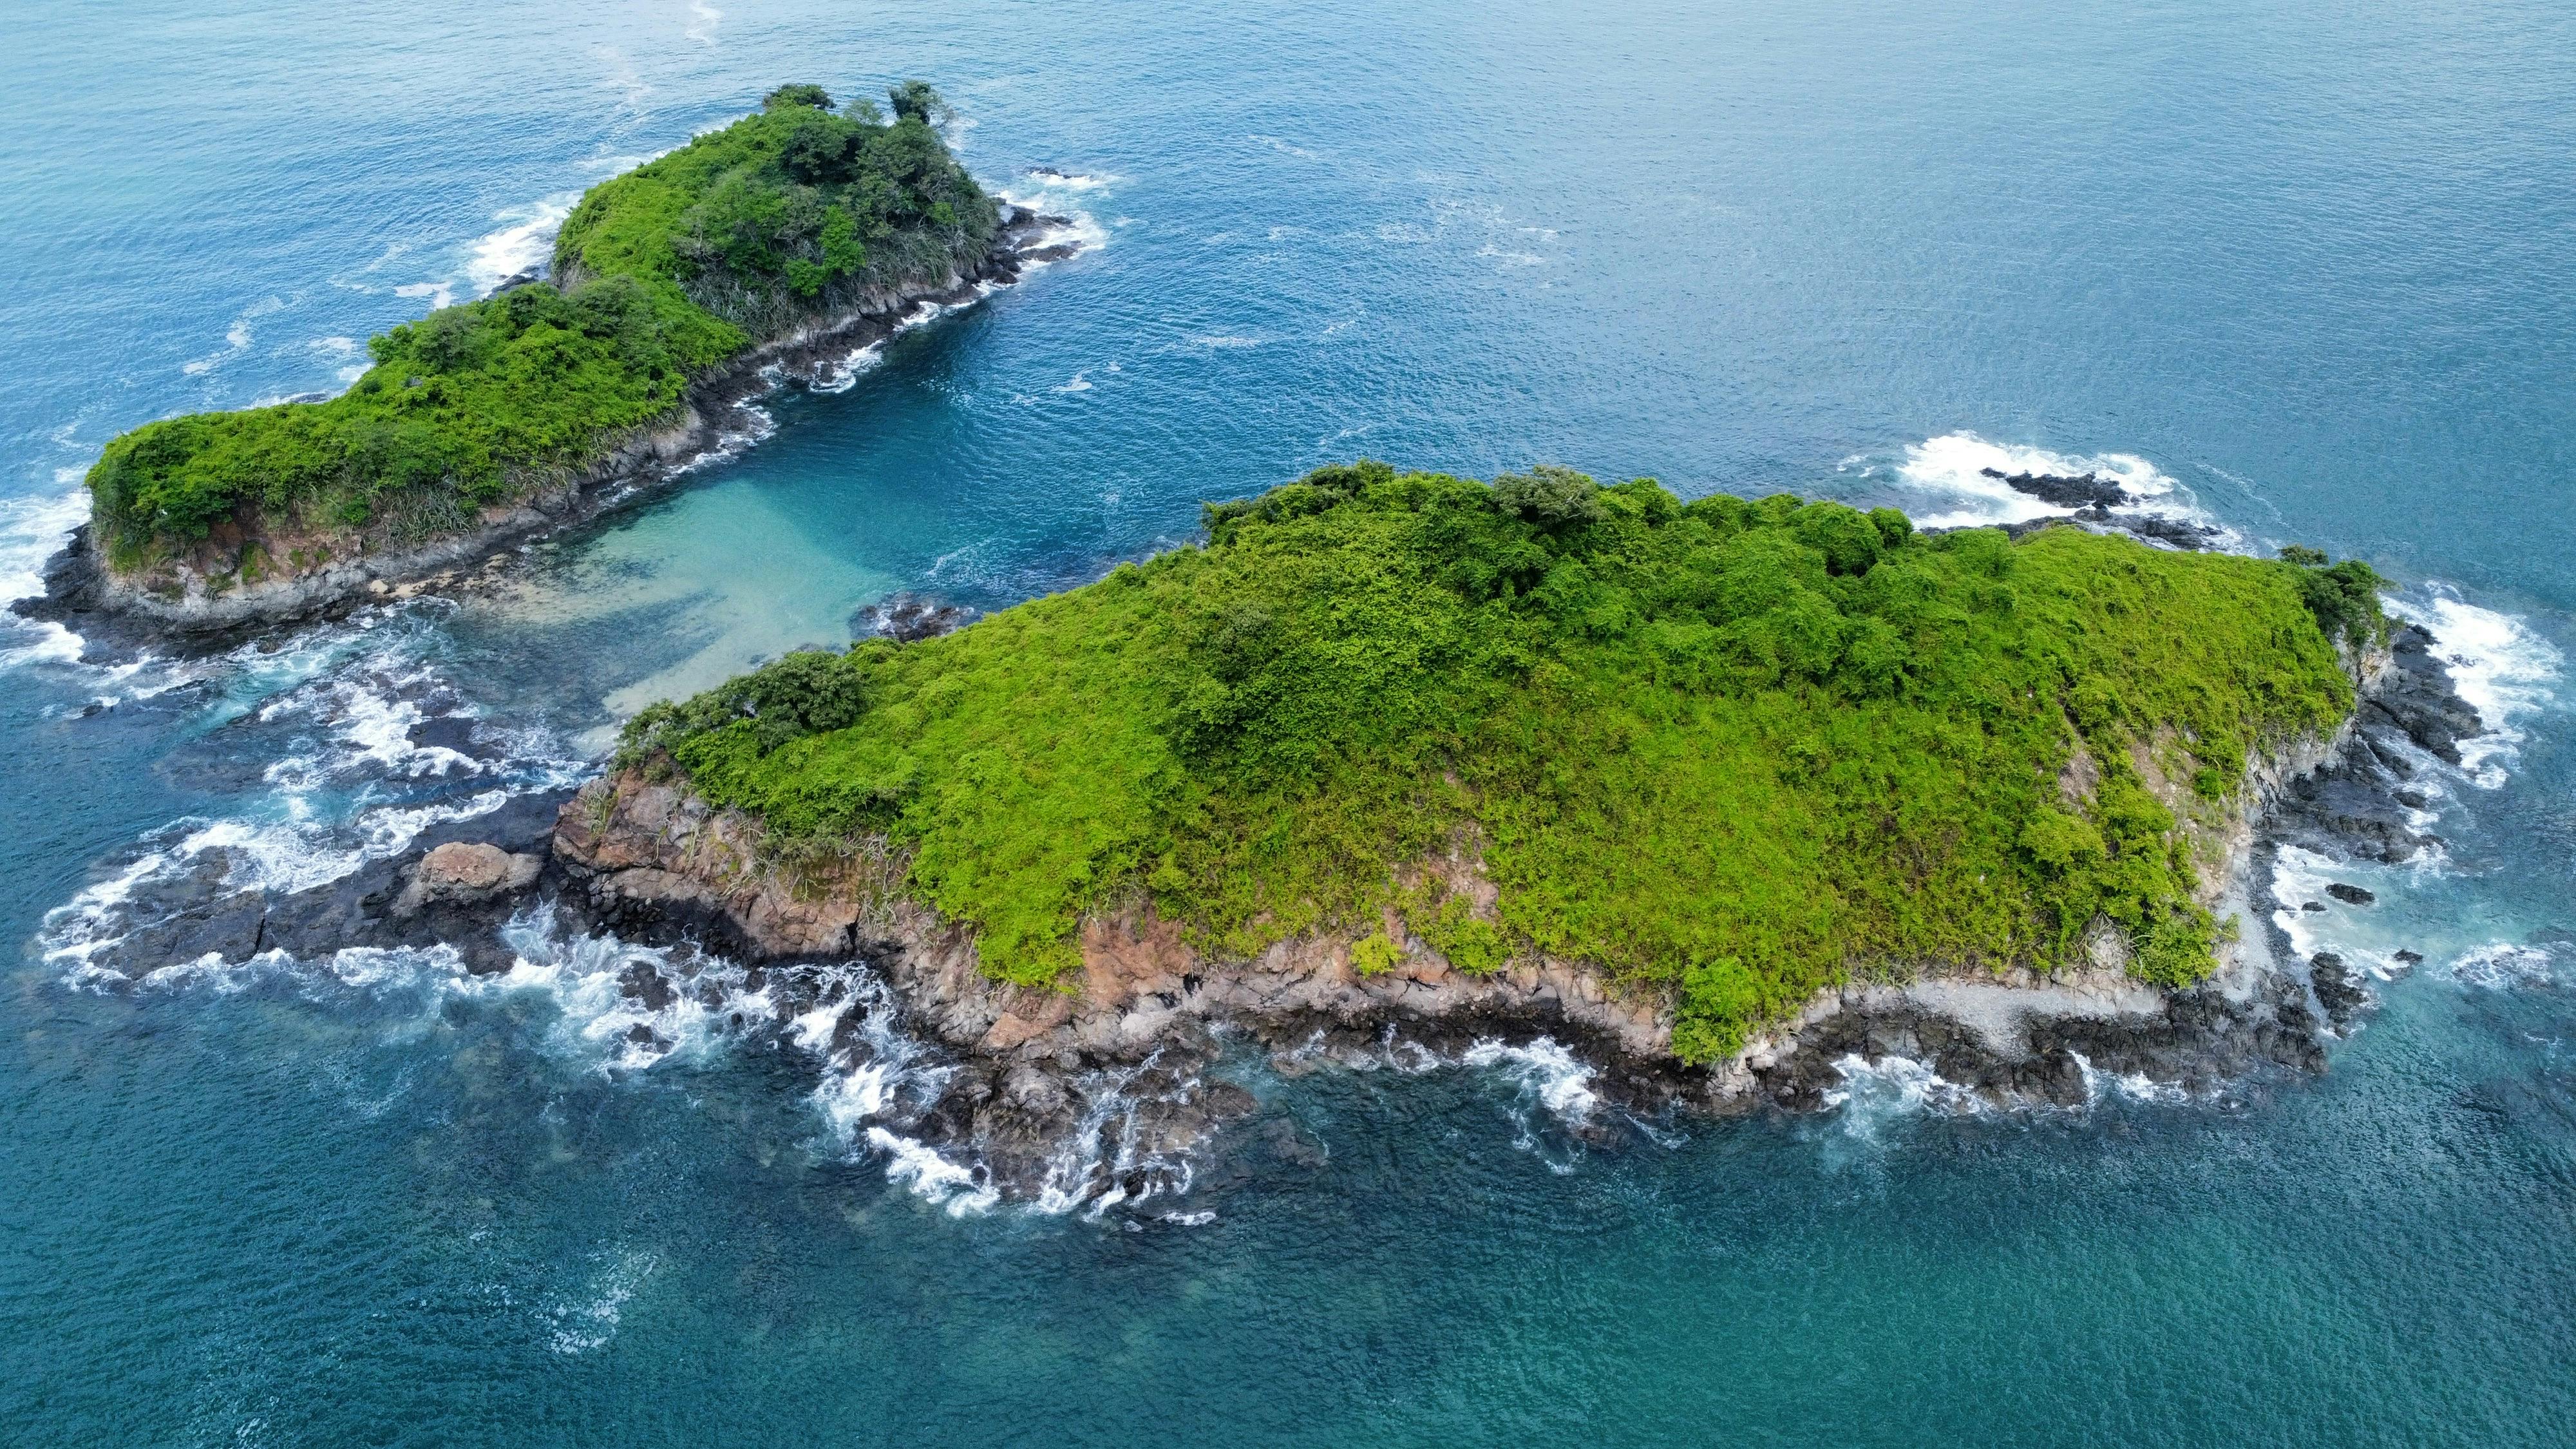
{"x": 2306, "y": 273}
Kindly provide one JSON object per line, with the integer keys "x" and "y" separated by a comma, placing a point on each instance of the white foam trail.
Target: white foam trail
{"x": 438, "y": 294}
{"x": 237, "y": 337}
{"x": 704, "y": 18}
{"x": 2498, "y": 663}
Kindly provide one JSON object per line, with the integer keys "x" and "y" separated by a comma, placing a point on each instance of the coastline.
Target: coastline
{"x": 1027, "y": 1077}
{"x": 83, "y": 595}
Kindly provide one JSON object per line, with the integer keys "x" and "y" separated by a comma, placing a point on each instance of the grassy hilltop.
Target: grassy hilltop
{"x": 1728, "y": 749}
{"x": 659, "y": 275}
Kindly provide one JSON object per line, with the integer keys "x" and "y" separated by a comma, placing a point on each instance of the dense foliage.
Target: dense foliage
{"x": 1726, "y": 749}
{"x": 660, "y": 274}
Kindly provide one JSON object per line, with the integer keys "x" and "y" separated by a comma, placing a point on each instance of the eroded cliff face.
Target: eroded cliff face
{"x": 652, "y": 858}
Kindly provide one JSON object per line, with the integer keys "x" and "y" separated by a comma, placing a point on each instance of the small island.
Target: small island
{"x": 801, "y": 228}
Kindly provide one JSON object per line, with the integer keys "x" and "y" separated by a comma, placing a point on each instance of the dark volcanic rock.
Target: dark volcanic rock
{"x": 2174, "y": 531}
{"x": 2338, "y": 987}
{"x": 907, "y": 618}
{"x": 2087, "y": 491}
{"x": 2351, "y": 895}
{"x": 203, "y": 913}
{"x": 2359, "y": 808}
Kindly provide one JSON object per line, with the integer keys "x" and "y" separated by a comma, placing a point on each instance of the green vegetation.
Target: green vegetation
{"x": 660, "y": 274}
{"x": 1731, "y": 750}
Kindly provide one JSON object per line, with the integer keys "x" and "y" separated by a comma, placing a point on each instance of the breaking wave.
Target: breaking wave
{"x": 522, "y": 243}
{"x": 33, "y": 530}
{"x": 2498, "y": 663}
{"x": 1949, "y": 481}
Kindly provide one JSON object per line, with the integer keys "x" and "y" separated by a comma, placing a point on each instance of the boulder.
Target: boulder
{"x": 464, "y": 871}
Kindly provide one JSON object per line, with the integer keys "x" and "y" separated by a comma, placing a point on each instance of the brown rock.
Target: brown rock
{"x": 458, "y": 867}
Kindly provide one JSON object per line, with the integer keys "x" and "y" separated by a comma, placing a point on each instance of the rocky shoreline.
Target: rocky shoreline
{"x": 1109, "y": 1088}
{"x": 117, "y": 614}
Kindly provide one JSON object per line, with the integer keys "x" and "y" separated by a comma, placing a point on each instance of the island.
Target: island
{"x": 1394, "y": 768}
{"x": 786, "y": 238}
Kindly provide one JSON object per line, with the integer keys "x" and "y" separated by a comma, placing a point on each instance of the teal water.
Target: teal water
{"x": 2305, "y": 273}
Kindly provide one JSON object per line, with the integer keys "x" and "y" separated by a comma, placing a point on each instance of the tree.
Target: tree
{"x": 916, "y": 101}
{"x": 798, "y": 95}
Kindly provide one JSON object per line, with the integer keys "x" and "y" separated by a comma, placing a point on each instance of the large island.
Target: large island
{"x": 1402, "y": 767}
{"x": 790, "y": 236}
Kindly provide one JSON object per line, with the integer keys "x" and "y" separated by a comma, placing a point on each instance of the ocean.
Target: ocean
{"x": 2303, "y": 274}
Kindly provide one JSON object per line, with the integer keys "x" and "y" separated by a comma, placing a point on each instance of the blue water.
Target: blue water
{"x": 2308, "y": 273}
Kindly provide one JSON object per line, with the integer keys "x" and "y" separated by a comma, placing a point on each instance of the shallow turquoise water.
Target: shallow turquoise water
{"x": 2309, "y": 272}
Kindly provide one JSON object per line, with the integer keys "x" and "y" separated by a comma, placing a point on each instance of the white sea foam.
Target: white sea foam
{"x": 1951, "y": 470}
{"x": 33, "y": 530}
{"x": 524, "y": 240}
{"x": 438, "y": 294}
{"x": 2504, "y": 966}
{"x": 2135, "y": 1086}
{"x": 1092, "y": 1168}
{"x": 1054, "y": 194}
{"x": 237, "y": 337}
{"x": 703, "y": 20}
{"x": 1552, "y": 1083}
{"x": 350, "y": 786}
{"x": 933, "y": 1177}
{"x": 1948, "y": 473}
{"x": 1874, "y": 1094}
{"x": 1548, "y": 1074}
{"x": 752, "y": 426}
{"x": 2498, "y": 663}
